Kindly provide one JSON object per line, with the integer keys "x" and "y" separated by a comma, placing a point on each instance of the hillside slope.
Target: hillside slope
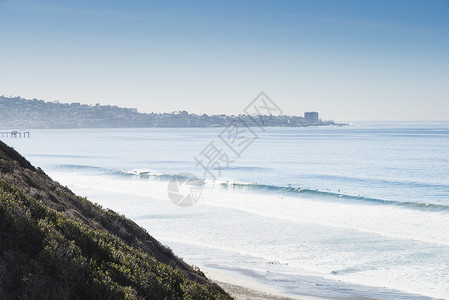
{"x": 56, "y": 245}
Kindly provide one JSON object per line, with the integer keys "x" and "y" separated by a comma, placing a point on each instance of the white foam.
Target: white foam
{"x": 386, "y": 222}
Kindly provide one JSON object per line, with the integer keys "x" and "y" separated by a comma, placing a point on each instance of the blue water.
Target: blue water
{"x": 336, "y": 212}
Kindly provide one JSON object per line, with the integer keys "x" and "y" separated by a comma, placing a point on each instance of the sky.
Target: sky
{"x": 349, "y": 60}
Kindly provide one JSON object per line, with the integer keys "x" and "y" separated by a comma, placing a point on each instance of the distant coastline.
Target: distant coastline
{"x": 17, "y": 112}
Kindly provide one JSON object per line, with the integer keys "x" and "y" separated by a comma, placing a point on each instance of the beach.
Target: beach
{"x": 243, "y": 293}
{"x": 243, "y": 288}
{"x": 246, "y": 288}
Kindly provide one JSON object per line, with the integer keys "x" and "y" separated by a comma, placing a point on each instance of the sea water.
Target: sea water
{"x": 333, "y": 212}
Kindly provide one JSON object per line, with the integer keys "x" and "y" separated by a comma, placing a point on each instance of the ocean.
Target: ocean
{"x": 333, "y": 212}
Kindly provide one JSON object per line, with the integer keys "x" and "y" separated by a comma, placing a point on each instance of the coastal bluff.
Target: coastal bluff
{"x": 57, "y": 245}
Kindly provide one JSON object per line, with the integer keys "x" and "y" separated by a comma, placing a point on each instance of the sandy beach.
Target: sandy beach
{"x": 243, "y": 288}
{"x": 242, "y": 293}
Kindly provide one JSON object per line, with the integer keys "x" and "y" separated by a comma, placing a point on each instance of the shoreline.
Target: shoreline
{"x": 241, "y": 286}
{"x": 244, "y": 288}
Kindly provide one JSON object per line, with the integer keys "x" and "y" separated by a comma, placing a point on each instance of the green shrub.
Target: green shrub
{"x": 44, "y": 254}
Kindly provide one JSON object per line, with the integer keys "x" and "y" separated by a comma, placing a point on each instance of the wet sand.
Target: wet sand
{"x": 243, "y": 288}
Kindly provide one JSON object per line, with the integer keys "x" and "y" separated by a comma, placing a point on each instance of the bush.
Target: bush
{"x": 44, "y": 254}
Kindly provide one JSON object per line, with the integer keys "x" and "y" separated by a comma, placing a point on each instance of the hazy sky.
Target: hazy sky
{"x": 349, "y": 60}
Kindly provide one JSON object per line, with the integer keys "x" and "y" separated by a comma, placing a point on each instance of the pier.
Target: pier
{"x": 15, "y": 134}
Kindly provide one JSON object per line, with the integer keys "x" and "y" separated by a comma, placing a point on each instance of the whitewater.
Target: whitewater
{"x": 331, "y": 212}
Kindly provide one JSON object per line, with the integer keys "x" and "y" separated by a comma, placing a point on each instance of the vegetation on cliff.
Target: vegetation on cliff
{"x": 55, "y": 245}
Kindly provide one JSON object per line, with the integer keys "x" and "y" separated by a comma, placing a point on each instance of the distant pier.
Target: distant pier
{"x": 15, "y": 134}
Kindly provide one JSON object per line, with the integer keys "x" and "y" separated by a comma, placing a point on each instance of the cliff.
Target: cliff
{"x": 56, "y": 245}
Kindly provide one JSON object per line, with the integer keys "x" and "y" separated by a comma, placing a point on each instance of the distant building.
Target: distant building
{"x": 311, "y": 117}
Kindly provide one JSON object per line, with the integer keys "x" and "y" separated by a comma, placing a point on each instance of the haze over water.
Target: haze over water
{"x": 325, "y": 211}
